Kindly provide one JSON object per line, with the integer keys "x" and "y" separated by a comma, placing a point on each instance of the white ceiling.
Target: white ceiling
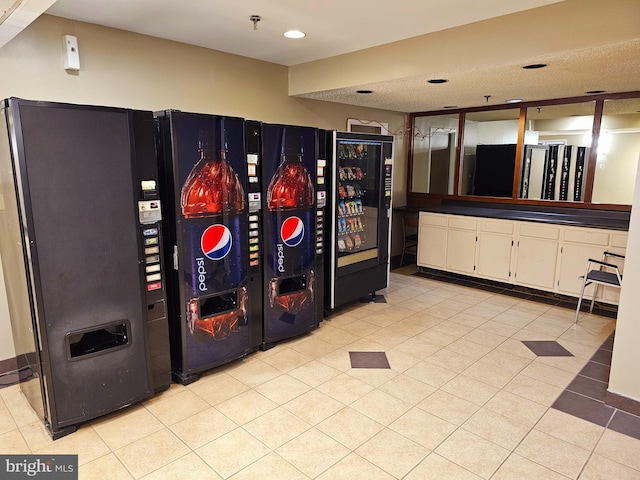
{"x": 336, "y": 27}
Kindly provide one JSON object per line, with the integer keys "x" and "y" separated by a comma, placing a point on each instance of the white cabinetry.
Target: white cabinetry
{"x": 542, "y": 256}
{"x": 537, "y": 254}
{"x": 495, "y": 245}
{"x": 461, "y": 244}
{"x": 579, "y": 245}
{"x": 432, "y": 240}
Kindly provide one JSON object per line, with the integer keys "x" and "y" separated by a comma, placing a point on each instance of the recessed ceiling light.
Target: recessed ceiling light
{"x": 533, "y": 66}
{"x": 437, "y": 80}
{"x": 595, "y": 91}
{"x": 513, "y": 100}
{"x": 364, "y": 92}
{"x": 294, "y": 34}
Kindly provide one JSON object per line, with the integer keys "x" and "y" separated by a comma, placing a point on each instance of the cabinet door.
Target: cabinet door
{"x": 495, "y": 249}
{"x": 461, "y": 251}
{"x": 573, "y": 263}
{"x": 432, "y": 246}
{"x": 536, "y": 262}
{"x": 494, "y": 256}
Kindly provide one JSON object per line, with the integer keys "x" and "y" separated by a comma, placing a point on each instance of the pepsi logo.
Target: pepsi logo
{"x": 292, "y": 231}
{"x": 216, "y": 242}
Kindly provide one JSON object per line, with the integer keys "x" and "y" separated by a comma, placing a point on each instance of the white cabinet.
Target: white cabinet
{"x": 579, "y": 245}
{"x": 461, "y": 244}
{"x": 495, "y": 246}
{"x": 541, "y": 256}
{"x": 537, "y": 254}
{"x": 432, "y": 240}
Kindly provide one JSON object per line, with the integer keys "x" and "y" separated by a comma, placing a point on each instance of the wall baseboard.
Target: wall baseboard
{"x": 8, "y": 372}
{"x": 626, "y": 404}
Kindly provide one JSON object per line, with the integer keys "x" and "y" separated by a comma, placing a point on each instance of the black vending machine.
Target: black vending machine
{"x": 294, "y": 195}
{"x": 359, "y": 223}
{"x": 210, "y": 175}
{"x": 81, "y": 246}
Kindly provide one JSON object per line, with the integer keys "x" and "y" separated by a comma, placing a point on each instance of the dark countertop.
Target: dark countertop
{"x": 579, "y": 217}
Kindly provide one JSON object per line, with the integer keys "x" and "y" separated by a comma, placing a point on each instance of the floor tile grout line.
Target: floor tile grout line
{"x": 494, "y": 348}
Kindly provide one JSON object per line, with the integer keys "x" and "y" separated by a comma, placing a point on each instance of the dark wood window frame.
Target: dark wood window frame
{"x": 424, "y": 199}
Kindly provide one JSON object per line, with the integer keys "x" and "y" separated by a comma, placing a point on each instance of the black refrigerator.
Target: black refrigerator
{"x": 210, "y": 177}
{"x": 81, "y": 245}
{"x": 358, "y": 227}
{"x": 293, "y": 208}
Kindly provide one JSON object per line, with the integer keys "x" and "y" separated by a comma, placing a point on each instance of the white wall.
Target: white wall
{"x": 624, "y": 379}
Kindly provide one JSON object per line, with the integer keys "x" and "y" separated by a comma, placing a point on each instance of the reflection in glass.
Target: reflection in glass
{"x": 557, "y": 140}
{"x": 535, "y": 159}
{"x": 434, "y": 154}
{"x": 618, "y": 152}
{"x": 489, "y": 152}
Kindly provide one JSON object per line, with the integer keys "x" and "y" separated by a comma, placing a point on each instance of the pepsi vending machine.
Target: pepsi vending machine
{"x": 210, "y": 174}
{"x": 293, "y": 216}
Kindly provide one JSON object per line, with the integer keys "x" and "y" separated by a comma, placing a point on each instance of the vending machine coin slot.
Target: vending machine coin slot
{"x": 149, "y": 211}
{"x": 156, "y": 310}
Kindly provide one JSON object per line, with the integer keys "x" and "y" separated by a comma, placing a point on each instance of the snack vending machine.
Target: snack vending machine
{"x": 209, "y": 172}
{"x": 294, "y": 196}
{"x": 81, "y": 244}
{"x": 359, "y": 223}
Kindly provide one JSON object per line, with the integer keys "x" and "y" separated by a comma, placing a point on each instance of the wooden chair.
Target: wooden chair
{"x": 605, "y": 273}
{"x": 409, "y": 236}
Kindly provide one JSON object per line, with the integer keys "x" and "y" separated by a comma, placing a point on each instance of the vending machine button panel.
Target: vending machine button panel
{"x": 152, "y": 259}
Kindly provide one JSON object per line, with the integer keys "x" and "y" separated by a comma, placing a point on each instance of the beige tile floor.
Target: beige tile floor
{"x": 464, "y": 399}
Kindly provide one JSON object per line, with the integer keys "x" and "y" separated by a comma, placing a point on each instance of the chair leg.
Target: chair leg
{"x": 593, "y": 299}
{"x": 584, "y": 284}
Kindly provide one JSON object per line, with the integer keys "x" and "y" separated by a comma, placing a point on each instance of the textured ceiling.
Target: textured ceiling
{"x": 612, "y": 68}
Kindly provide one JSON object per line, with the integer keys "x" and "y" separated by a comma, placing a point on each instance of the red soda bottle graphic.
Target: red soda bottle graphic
{"x": 212, "y": 202}
{"x": 291, "y": 200}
